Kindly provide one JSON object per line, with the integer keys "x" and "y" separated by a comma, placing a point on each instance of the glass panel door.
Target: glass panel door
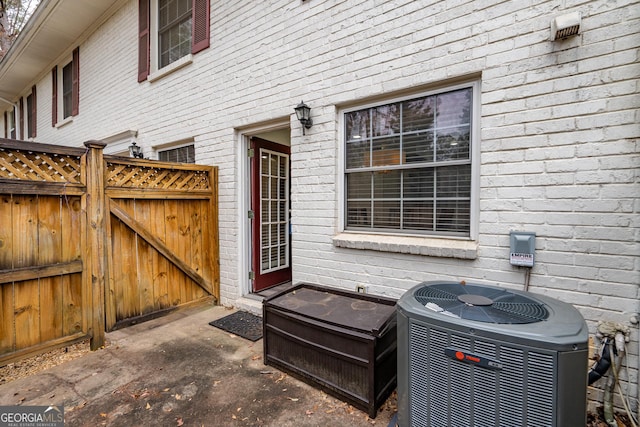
{"x": 270, "y": 205}
{"x": 274, "y": 211}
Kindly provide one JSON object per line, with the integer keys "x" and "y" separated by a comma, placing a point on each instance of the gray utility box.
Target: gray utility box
{"x": 340, "y": 341}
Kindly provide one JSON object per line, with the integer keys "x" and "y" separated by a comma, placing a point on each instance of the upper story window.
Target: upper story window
{"x": 169, "y": 32}
{"x": 67, "y": 90}
{"x": 65, "y": 83}
{"x": 10, "y": 124}
{"x": 408, "y": 165}
{"x": 31, "y": 113}
{"x": 174, "y": 30}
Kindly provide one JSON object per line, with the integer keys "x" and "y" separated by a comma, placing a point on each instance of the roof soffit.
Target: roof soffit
{"x": 53, "y": 28}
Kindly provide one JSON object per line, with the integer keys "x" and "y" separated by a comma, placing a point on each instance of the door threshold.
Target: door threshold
{"x": 266, "y": 293}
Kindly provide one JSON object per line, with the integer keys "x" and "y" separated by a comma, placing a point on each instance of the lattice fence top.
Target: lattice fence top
{"x": 153, "y": 177}
{"x": 39, "y": 166}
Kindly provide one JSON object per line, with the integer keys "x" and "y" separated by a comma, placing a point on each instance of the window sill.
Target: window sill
{"x": 64, "y": 122}
{"x": 174, "y": 66}
{"x": 426, "y": 246}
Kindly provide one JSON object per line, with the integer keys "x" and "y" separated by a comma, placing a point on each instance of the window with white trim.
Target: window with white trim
{"x": 12, "y": 123}
{"x": 169, "y": 33}
{"x": 67, "y": 90}
{"x": 31, "y": 114}
{"x": 65, "y": 87}
{"x": 408, "y": 165}
{"x": 174, "y": 30}
{"x": 185, "y": 154}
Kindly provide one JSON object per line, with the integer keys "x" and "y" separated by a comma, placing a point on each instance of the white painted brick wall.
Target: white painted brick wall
{"x": 559, "y": 129}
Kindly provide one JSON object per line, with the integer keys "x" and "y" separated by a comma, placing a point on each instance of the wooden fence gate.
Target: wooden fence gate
{"x": 89, "y": 242}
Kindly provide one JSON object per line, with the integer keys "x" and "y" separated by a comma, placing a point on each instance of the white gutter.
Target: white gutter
{"x": 7, "y": 101}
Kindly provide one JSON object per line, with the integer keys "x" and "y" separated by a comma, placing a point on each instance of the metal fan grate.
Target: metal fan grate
{"x": 482, "y": 304}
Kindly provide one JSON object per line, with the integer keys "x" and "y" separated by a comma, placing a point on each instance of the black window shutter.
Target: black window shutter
{"x": 54, "y": 96}
{"x": 75, "y": 85}
{"x": 201, "y": 24}
{"x": 6, "y": 125}
{"x": 34, "y": 112}
{"x": 143, "y": 40}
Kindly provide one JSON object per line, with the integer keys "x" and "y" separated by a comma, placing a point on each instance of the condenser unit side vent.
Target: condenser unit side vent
{"x": 488, "y": 397}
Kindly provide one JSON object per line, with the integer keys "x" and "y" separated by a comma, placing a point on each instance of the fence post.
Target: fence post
{"x": 95, "y": 249}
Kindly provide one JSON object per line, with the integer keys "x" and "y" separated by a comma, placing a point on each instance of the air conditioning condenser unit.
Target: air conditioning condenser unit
{"x": 472, "y": 355}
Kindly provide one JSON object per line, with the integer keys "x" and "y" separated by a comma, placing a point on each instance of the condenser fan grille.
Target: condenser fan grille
{"x": 482, "y": 304}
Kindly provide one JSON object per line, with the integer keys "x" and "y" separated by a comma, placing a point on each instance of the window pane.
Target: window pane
{"x": 358, "y": 154}
{"x": 359, "y": 185}
{"x": 359, "y": 214}
{"x": 12, "y": 124}
{"x": 418, "y": 147}
{"x": 274, "y": 188}
{"x": 386, "y": 214}
{"x": 186, "y": 154}
{"x": 30, "y": 115}
{"x": 283, "y": 255}
{"x": 67, "y": 90}
{"x": 454, "y": 181}
{"x": 386, "y": 185}
{"x": 386, "y": 152}
{"x": 453, "y": 144}
{"x": 453, "y": 216}
{"x": 174, "y": 30}
{"x": 418, "y": 183}
{"x": 453, "y": 108}
{"x": 386, "y": 120}
{"x": 417, "y": 114}
{"x": 357, "y": 125}
{"x": 418, "y": 215}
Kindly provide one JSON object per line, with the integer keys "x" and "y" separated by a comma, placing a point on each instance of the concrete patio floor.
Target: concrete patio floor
{"x": 178, "y": 370}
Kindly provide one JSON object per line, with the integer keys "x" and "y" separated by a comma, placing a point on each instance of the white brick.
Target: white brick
{"x": 558, "y": 126}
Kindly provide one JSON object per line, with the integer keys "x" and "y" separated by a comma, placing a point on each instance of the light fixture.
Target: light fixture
{"x": 135, "y": 151}
{"x": 304, "y": 116}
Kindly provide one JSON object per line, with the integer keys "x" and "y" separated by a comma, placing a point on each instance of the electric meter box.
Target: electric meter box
{"x": 523, "y": 246}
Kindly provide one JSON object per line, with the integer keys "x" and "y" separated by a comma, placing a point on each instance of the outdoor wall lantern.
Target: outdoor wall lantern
{"x": 135, "y": 151}
{"x": 304, "y": 115}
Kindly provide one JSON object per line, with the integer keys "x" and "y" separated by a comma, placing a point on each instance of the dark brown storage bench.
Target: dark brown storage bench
{"x": 342, "y": 341}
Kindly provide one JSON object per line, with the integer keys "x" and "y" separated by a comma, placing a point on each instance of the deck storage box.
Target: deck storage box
{"x": 342, "y": 342}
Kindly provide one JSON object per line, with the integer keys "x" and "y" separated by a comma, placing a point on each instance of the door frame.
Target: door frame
{"x": 243, "y": 196}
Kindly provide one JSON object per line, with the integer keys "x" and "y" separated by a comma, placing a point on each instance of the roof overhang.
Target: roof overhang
{"x": 52, "y": 29}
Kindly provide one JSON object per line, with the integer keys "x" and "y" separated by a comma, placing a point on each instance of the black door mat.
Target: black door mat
{"x": 241, "y": 323}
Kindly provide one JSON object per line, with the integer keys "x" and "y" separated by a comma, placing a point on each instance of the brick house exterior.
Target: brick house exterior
{"x": 554, "y": 134}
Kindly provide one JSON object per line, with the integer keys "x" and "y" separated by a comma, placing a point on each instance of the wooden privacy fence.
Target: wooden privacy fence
{"x": 89, "y": 242}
